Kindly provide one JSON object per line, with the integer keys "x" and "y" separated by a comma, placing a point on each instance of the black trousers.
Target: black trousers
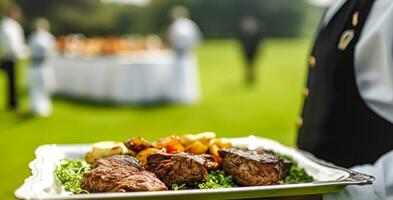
{"x": 9, "y": 68}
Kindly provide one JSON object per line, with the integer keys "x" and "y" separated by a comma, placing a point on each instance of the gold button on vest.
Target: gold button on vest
{"x": 299, "y": 122}
{"x": 355, "y": 19}
{"x": 312, "y": 61}
{"x": 306, "y": 92}
{"x": 346, "y": 38}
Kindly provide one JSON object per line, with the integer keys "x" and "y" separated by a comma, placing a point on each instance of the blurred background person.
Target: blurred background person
{"x": 12, "y": 43}
{"x": 184, "y": 35}
{"x": 250, "y": 36}
{"x": 40, "y": 74}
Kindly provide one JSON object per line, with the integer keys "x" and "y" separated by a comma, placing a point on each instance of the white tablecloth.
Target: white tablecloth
{"x": 139, "y": 77}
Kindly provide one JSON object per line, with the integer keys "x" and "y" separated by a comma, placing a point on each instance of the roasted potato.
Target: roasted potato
{"x": 104, "y": 149}
{"x": 197, "y": 148}
{"x": 222, "y": 143}
{"x": 130, "y": 153}
{"x": 204, "y": 138}
{"x": 137, "y": 144}
{"x": 89, "y": 158}
{"x": 187, "y": 139}
{"x": 213, "y": 150}
{"x": 144, "y": 154}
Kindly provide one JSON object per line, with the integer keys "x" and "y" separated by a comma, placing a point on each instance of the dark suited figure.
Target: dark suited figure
{"x": 250, "y": 37}
{"x": 13, "y": 48}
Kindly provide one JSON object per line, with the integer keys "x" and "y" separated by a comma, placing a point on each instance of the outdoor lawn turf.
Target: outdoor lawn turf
{"x": 228, "y": 108}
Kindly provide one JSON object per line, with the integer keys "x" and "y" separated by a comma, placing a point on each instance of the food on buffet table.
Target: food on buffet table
{"x": 200, "y": 161}
{"x": 179, "y": 168}
{"x": 253, "y": 168}
{"x": 120, "y": 173}
{"x": 78, "y": 44}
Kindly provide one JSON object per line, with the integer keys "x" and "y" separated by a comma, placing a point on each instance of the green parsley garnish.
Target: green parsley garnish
{"x": 296, "y": 173}
{"x": 70, "y": 174}
{"x": 178, "y": 187}
{"x": 217, "y": 179}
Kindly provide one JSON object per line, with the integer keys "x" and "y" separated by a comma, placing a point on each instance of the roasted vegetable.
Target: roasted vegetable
{"x": 137, "y": 144}
{"x": 222, "y": 143}
{"x": 170, "y": 144}
{"x": 89, "y": 158}
{"x": 204, "y": 138}
{"x": 144, "y": 154}
{"x": 104, "y": 149}
{"x": 197, "y": 148}
{"x": 213, "y": 150}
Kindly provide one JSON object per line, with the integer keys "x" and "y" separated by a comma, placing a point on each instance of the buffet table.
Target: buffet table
{"x": 139, "y": 77}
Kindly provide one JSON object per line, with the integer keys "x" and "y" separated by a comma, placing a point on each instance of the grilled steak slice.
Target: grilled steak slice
{"x": 181, "y": 168}
{"x": 252, "y": 168}
{"x": 120, "y": 174}
{"x": 210, "y": 162}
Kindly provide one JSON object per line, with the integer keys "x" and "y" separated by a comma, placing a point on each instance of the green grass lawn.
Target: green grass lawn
{"x": 228, "y": 108}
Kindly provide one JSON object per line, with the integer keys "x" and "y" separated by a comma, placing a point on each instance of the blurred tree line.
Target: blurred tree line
{"x": 217, "y": 18}
{"x": 221, "y": 17}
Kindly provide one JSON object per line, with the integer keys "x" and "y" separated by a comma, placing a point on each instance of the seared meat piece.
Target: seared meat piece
{"x": 253, "y": 168}
{"x": 210, "y": 162}
{"x": 120, "y": 174}
{"x": 180, "y": 168}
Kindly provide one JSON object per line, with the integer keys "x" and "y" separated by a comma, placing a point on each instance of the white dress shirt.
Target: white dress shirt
{"x": 374, "y": 78}
{"x": 12, "y": 39}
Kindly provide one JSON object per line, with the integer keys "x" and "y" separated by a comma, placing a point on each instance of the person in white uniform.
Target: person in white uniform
{"x": 40, "y": 74}
{"x": 184, "y": 35}
{"x": 13, "y": 47}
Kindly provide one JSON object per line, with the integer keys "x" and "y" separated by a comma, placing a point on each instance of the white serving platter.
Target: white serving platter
{"x": 42, "y": 184}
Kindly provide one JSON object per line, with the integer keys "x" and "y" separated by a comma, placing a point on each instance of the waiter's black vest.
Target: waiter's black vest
{"x": 338, "y": 126}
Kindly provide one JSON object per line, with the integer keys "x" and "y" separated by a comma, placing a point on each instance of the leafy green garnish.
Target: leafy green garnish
{"x": 70, "y": 174}
{"x": 178, "y": 187}
{"x": 217, "y": 179}
{"x": 296, "y": 173}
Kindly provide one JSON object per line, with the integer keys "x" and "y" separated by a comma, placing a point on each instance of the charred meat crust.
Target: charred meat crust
{"x": 181, "y": 168}
{"x": 253, "y": 168}
{"x": 120, "y": 174}
{"x": 210, "y": 162}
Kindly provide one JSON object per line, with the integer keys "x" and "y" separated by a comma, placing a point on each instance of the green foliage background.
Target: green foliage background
{"x": 217, "y": 18}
